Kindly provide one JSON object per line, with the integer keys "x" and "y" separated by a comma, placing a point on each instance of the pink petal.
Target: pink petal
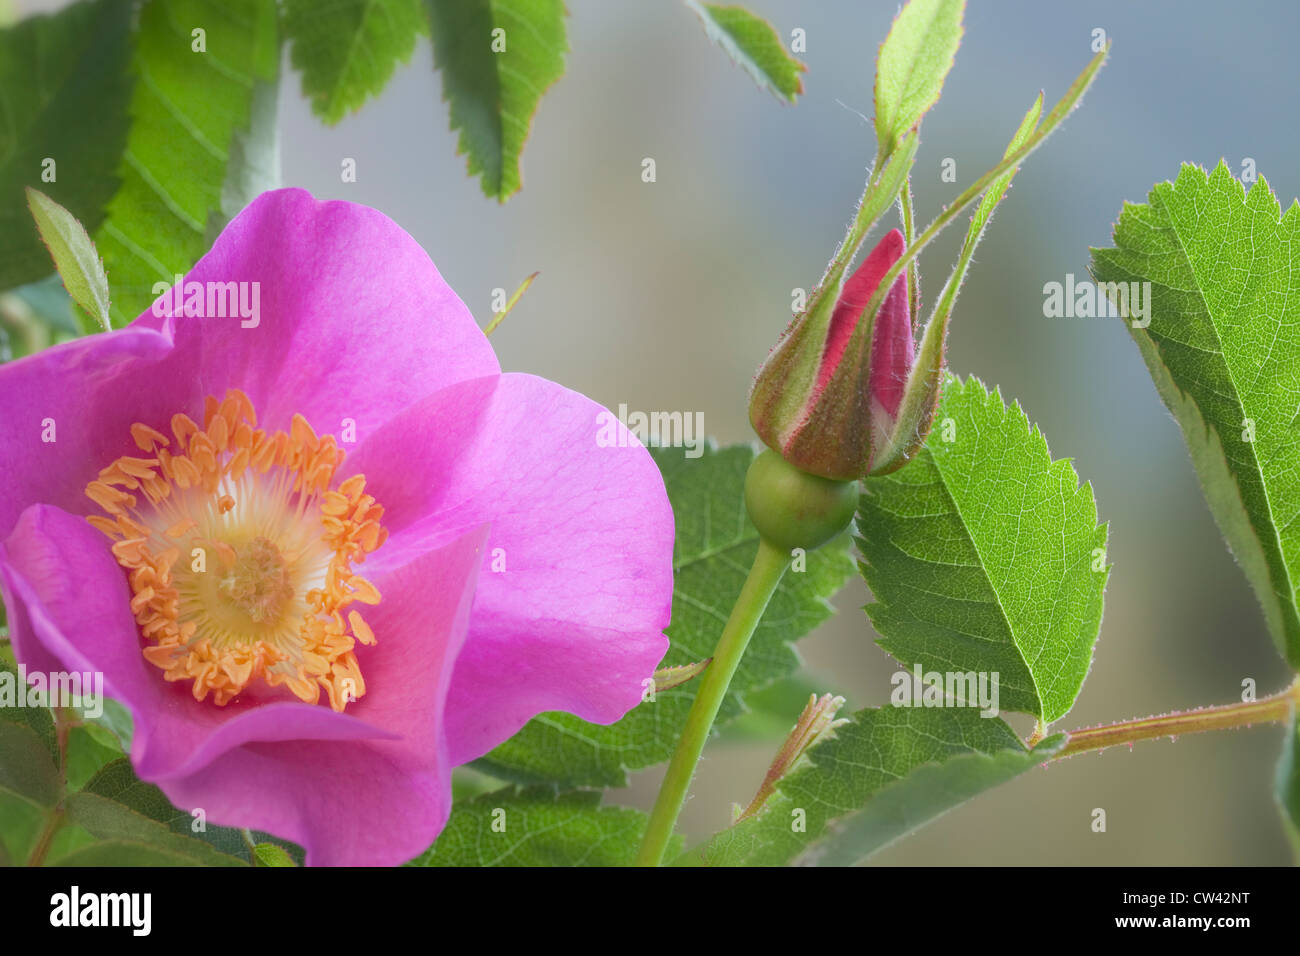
{"x": 585, "y": 533}
{"x": 84, "y": 395}
{"x": 356, "y": 321}
{"x": 339, "y": 285}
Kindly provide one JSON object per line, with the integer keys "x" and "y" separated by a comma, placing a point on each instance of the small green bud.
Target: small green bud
{"x": 793, "y": 509}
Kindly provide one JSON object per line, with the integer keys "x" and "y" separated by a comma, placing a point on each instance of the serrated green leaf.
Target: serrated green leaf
{"x": 980, "y": 554}
{"x": 715, "y": 546}
{"x": 117, "y": 782}
{"x": 1287, "y": 784}
{"x": 1223, "y": 346}
{"x": 74, "y": 257}
{"x": 64, "y": 90}
{"x": 347, "y": 50}
{"x": 187, "y": 111}
{"x": 913, "y": 61}
{"x": 752, "y": 43}
{"x": 536, "y": 826}
{"x": 110, "y": 820}
{"x": 26, "y": 769}
{"x": 881, "y": 776}
{"x": 928, "y": 792}
{"x": 494, "y": 93}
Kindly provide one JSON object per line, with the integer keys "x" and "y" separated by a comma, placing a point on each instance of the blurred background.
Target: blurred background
{"x": 667, "y": 295}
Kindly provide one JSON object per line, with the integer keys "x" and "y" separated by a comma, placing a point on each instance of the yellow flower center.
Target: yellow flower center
{"x": 240, "y": 554}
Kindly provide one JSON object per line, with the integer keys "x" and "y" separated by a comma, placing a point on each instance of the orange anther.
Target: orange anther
{"x": 146, "y": 438}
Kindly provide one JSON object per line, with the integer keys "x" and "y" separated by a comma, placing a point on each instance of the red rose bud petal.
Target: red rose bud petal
{"x": 857, "y": 293}
{"x": 892, "y": 348}
{"x": 827, "y": 397}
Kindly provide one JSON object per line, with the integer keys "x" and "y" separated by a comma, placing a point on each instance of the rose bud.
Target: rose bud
{"x": 830, "y": 396}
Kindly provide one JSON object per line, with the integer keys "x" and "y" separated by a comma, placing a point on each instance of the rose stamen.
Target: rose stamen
{"x": 240, "y": 554}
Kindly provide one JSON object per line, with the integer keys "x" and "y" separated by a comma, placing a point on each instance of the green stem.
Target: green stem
{"x": 764, "y": 576}
{"x": 1275, "y": 709}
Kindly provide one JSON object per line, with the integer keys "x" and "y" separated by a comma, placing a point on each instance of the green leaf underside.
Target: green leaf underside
{"x": 1223, "y": 347}
{"x": 118, "y": 783}
{"x": 541, "y": 828}
{"x": 715, "y": 546}
{"x": 74, "y": 256}
{"x": 980, "y": 556}
{"x": 753, "y": 44}
{"x": 493, "y": 95}
{"x": 883, "y": 775}
{"x": 64, "y": 90}
{"x": 187, "y": 111}
{"x": 109, "y": 820}
{"x": 347, "y": 50}
{"x": 914, "y": 60}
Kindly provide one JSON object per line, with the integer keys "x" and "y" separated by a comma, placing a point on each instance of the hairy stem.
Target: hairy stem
{"x": 1274, "y": 709}
{"x": 764, "y": 576}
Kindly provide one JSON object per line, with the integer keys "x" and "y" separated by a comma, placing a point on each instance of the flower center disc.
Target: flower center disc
{"x": 240, "y": 554}
{"x": 259, "y": 584}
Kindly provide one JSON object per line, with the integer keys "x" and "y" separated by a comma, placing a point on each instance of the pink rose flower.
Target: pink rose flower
{"x": 324, "y": 553}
